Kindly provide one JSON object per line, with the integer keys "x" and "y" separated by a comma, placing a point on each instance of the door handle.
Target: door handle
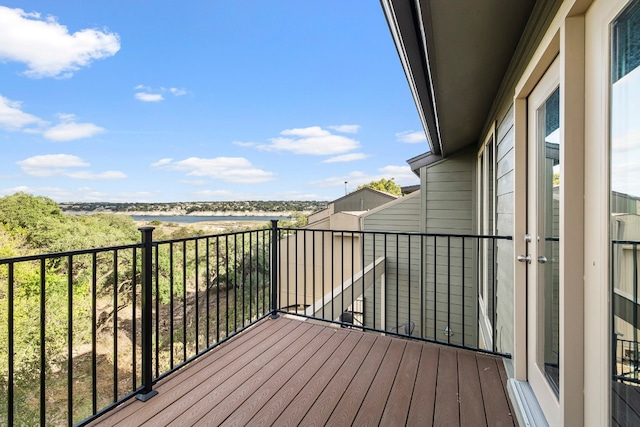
{"x": 524, "y": 258}
{"x": 542, "y": 259}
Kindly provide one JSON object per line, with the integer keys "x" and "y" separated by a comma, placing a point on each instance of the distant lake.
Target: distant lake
{"x": 190, "y": 219}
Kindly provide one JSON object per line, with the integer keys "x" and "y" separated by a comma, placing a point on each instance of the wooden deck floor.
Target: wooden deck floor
{"x": 289, "y": 372}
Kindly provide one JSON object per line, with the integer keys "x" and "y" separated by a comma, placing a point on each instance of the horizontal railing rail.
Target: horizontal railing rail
{"x": 83, "y": 331}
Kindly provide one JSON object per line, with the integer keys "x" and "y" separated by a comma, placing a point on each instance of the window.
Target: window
{"x": 486, "y": 227}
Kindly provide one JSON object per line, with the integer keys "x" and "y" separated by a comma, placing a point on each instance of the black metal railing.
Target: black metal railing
{"x": 626, "y": 311}
{"x": 628, "y": 361}
{"x": 88, "y": 330}
{"x": 435, "y": 287}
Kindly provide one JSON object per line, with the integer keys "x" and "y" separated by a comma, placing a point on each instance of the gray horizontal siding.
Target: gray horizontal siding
{"x": 504, "y": 227}
{"x": 403, "y": 270}
{"x": 448, "y": 206}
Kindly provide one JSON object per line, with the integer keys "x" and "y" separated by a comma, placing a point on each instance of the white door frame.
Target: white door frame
{"x": 547, "y": 398}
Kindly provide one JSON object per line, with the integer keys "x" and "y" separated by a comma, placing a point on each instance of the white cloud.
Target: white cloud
{"x": 149, "y": 94}
{"x": 50, "y": 164}
{"x": 96, "y": 176}
{"x": 311, "y": 140}
{"x": 229, "y": 169}
{"x": 245, "y": 144}
{"x": 149, "y": 97}
{"x": 346, "y": 128}
{"x": 13, "y": 118}
{"x": 411, "y": 137}
{"x": 346, "y": 158}
{"x": 161, "y": 162}
{"x": 47, "y": 47}
{"x": 61, "y": 165}
{"x": 69, "y": 130}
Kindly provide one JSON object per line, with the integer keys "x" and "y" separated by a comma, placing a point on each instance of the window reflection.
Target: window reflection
{"x": 625, "y": 210}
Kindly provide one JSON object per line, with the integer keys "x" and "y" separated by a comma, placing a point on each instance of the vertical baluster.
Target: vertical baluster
{"x": 10, "y": 346}
{"x": 43, "y": 353}
{"x": 184, "y": 300}
{"x": 171, "y": 306}
{"x": 197, "y": 296}
{"x": 207, "y": 290}
{"x": 134, "y": 321}
{"x": 70, "y": 340}
{"x": 94, "y": 320}
{"x": 115, "y": 325}
{"x": 274, "y": 269}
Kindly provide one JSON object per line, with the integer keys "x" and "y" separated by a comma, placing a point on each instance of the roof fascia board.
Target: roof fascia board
{"x": 425, "y": 159}
{"x": 422, "y": 15}
{"x": 424, "y": 104}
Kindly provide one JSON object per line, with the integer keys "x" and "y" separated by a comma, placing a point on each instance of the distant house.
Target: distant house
{"x": 341, "y": 216}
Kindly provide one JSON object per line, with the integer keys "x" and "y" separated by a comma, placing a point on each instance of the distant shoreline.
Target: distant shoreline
{"x": 190, "y": 219}
{"x": 168, "y": 214}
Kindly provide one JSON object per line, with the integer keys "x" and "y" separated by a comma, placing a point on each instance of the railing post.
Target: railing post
{"x": 147, "y": 315}
{"x": 274, "y": 269}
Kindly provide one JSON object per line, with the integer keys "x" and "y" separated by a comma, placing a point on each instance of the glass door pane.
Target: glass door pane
{"x": 548, "y": 239}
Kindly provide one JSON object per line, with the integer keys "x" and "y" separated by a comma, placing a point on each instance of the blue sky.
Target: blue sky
{"x": 160, "y": 101}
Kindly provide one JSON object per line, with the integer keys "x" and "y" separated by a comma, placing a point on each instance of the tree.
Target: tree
{"x": 386, "y": 185}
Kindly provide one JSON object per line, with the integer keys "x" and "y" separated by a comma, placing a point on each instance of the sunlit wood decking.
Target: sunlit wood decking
{"x": 289, "y": 372}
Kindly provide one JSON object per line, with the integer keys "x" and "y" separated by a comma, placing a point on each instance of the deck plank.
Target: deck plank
{"x": 505, "y": 379}
{"x": 497, "y": 410}
{"x": 378, "y": 395}
{"x": 423, "y": 400}
{"x": 396, "y": 412}
{"x": 447, "y": 408}
{"x": 290, "y": 381}
{"x": 347, "y": 408}
{"x": 199, "y": 400}
{"x": 326, "y": 398}
{"x": 291, "y": 361}
{"x": 285, "y": 396}
{"x": 299, "y": 406}
{"x": 471, "y": 408}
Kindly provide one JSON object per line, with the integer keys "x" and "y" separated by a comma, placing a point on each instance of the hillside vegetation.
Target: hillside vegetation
{"x": 106, "y": 287}
{"x": 194, "y": 208}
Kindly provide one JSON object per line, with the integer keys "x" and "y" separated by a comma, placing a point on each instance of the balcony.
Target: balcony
{"x": 257, "y": 327}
